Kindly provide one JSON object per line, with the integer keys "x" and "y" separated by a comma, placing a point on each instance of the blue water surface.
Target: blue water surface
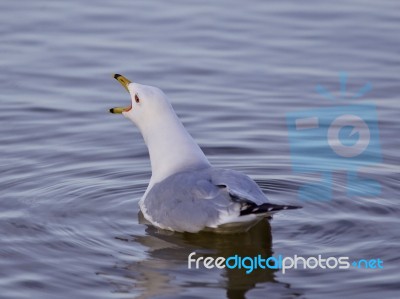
{"x": 72, "y": 174}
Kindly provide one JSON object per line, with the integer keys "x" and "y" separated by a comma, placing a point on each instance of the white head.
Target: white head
{"x": 149, "y": 105}
{"x": 170, "y": 146}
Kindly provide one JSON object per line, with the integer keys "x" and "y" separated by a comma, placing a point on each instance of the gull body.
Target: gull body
{"x": 185, "y": 193}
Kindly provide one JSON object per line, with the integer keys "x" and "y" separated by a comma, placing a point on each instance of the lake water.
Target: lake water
{"x": 72, "y": 174}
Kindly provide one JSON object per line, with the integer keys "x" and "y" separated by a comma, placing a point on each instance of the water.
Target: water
{"x": 72, "y": 174}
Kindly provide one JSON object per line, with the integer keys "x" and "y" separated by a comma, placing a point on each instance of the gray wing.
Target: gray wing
{"x": 240, "y": 186}
{"x": 190, "y": 201}
{"x": 243, "y": 190}
{"x": 187, "y": 201}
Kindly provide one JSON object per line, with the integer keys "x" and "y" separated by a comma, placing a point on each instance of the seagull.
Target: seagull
{"x": 186, "y": 193}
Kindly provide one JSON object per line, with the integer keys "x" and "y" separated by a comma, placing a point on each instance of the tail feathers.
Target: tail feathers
{"x": 265, "y": 208}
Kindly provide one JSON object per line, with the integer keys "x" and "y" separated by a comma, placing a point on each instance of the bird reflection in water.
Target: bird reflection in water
{"x": 164, "y": 271}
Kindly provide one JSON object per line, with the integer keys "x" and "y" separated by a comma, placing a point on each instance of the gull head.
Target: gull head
{"x": 170, "y": 146}
{"x": 147, "y": 103}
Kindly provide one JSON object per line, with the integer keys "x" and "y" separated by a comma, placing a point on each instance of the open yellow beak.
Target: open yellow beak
{"x": 124, "y": 82}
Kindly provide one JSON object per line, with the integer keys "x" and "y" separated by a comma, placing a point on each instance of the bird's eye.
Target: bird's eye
{"x": 137, "y": 100}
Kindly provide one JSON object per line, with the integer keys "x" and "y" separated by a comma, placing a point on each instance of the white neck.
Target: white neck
{"x": 171, "y": 147}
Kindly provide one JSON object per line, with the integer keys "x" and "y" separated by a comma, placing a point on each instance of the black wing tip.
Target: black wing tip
{"x": 267, "y": 208}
